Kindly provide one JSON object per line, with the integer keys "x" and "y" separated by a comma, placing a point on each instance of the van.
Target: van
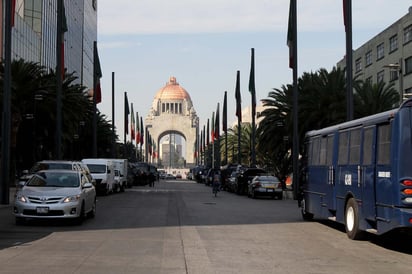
{"x": 120, "y": 168}
{"x": 102, "y": 171}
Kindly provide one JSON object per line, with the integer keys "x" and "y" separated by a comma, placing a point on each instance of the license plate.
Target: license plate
{"x": 269, "y": 190}
{"x": 42, "y": 210}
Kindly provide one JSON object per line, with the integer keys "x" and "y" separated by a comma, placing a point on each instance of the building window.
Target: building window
{"x": 408, "y": 65}
{"x": 393, "y": 43}
{"x": 393, "y": 75}
{"x": 407, "y": 34}
{"x": 358, "y": 65}
{"x": 368, "y": 58}
{"x": 380, "y": 51}
{"x": 379, "y": 76}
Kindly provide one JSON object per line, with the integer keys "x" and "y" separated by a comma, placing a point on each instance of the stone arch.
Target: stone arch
{"x": 172, "y": 111}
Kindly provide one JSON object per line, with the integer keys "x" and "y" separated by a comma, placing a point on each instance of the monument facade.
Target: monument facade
{"x": 172, "y": 112}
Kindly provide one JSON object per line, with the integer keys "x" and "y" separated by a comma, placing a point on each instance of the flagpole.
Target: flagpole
{"x": 295, "y": 148}
{"x": 6, "y": 118}
{"x": 239, "y": 117}
{"x": 225, "y": 124}
{"x": 252, "y": 90}
{"x": 349, "y": 70}
{"x": 59, "y": 80}
{"x": 114, "y": 154}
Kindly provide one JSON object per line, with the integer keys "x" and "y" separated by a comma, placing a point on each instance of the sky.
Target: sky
{"x": 204, "y": 43}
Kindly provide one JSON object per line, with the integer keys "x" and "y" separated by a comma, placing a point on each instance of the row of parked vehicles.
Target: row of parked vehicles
{"x": 242, "y": 180}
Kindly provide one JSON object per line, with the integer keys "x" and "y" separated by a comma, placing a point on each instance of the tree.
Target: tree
{"x": 33, "y": 113}
{"x": 374, "y": 98}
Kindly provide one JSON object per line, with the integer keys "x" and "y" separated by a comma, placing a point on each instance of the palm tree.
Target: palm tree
{"x": 232, "y": 143}
{"x": 374, "y": 98}
{"x": 33, "y": 112}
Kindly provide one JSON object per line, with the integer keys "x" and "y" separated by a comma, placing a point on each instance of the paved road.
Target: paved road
{"x": 179, "y": 227}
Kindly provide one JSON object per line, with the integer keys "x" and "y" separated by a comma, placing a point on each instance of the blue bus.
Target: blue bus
{"x": 359, "y": 173}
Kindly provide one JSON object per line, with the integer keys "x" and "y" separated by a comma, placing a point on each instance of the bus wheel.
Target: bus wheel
{"x": 305, "y": 215}
{"x": 352, "y": 220}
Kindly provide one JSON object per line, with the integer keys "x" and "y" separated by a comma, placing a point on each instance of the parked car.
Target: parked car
{"x": 51, "y": 164}
{"x": 265, "y": 185}
{"x": 243, "y": 178}
{"x": 56, "y": 194}
{"x": 102, "y": 171}
{"x": 231, "y": 182}
{"x": 178, "y": 176}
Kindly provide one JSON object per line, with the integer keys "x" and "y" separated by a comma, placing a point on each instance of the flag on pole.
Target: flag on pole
{"x": 345, "y": 12}
{"x": 13, "y": 12}
{"x": 212, "y": 132}
{"x": 97, "y": 74}
{"x": 203, "y": 138}
{"x": 63, "y": 30}
{"x": 126, "y": 114}
{"x": 132, "y": 124}
{"x": 252, "y": 87}
{"x": 238, "y": 98}
{"x": 291, "y": 30}
{"x": 141, "y": 131}
{"x": 207, "y": 133}
{"x": 137, "y": 129}
{"x": 217, "y": 126}
{"x": 224, "y": 113}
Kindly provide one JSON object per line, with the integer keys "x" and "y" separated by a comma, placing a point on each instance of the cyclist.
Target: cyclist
{"x": 216, "y": 182}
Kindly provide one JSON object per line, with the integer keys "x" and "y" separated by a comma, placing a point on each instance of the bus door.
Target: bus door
{"x": 330, "y": 161}
{"x": 368, "y": 172}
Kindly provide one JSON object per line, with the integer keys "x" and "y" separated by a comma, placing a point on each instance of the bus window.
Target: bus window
{"x": 329, "y": 150}
{"x": 315, "y": 152}
{"x": 323, "y": 148}
{"x": 367, "y": 146}
{"x": 354, "y": 150}
{"x": 343, "y": 148}
{"x": 384, "y": 144}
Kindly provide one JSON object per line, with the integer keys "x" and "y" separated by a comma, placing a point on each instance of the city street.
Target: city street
{"x": 179, "y": 227}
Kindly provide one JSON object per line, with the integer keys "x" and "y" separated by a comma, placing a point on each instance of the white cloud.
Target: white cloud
{"x": 200, "y": 16}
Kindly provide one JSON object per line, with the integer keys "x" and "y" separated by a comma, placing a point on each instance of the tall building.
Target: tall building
{"x": 387, "y": 57}
{"x": 34, "y": 35}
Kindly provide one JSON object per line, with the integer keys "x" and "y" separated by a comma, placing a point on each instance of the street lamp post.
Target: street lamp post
{"x": 398, "y": 67}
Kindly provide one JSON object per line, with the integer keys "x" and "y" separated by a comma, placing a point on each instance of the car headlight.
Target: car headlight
{"x": 21, "y": 198}
{"x": 71, "y": 199}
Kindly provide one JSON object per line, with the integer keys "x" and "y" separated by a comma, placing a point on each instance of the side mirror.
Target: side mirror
{"x": 88, "y": 185}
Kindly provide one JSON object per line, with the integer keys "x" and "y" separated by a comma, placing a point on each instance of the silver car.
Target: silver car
{"x": 267, "y": 185}
{"x": 56, "y": 194}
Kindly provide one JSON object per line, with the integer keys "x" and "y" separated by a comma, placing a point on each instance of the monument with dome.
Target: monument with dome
{"x": 172, "y": 112}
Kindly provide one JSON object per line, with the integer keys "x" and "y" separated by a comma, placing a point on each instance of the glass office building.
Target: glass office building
{"x": 34, "y": 35}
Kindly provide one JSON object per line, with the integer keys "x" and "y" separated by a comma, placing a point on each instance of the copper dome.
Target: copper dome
{"x": 172, "y": 91}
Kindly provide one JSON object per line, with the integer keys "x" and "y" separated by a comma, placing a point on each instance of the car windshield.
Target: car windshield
{"x": 97, "y": 168}
{"x": 48, "y": 179}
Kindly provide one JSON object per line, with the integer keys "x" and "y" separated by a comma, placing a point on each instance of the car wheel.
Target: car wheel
{"x": 352, "y": 220}
{"x": 92, "y": 212}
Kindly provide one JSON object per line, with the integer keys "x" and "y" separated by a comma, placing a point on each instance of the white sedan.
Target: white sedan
{"x": 56, "y": 194}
